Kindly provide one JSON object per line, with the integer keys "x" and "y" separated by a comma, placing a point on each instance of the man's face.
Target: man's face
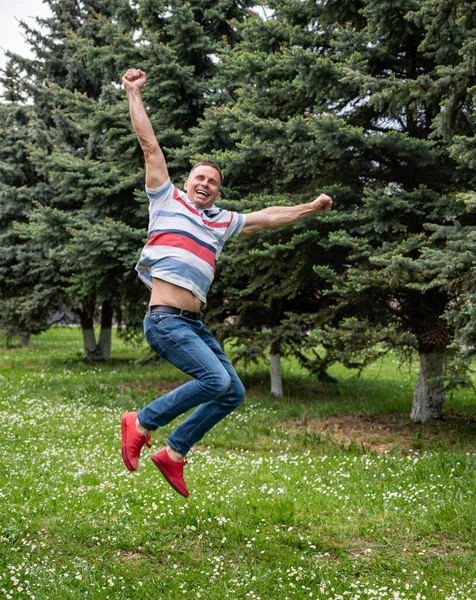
{"x": 203, "y": 186}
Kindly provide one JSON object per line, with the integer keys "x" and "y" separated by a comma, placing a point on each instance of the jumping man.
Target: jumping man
{"x": 186, "y": 235}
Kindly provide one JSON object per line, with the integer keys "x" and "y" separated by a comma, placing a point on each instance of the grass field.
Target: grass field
{"x": 330, "y": 493}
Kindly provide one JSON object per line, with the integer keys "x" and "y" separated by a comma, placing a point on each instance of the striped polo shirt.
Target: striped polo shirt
{"x": 184, "y": 242}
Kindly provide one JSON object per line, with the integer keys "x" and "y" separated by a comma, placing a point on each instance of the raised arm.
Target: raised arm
{"x": 278, "y": 216}
{"x": 156, "y": 172}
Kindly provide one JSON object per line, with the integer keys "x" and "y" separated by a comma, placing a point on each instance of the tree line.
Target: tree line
{"x": 370, "y": 101}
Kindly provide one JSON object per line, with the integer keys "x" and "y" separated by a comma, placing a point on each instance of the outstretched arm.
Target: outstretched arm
{"x": 278, "y": 216}
{"x": 156, "y": 172}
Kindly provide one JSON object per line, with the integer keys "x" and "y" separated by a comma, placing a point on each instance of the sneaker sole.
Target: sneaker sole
{"x": 123, "y": 448}
{"x": 169, "y": 477}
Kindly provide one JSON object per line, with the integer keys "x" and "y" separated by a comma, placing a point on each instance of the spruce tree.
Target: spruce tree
{"x": 263, "y": 132}
{"x": 451, "y": 255}
{"x": 366, "y": 101}
{"x": 94, "y": 219}
{"x": 66, "y": 81}
{"x": 408, "y": 85}
{"x": 24, "y": 307}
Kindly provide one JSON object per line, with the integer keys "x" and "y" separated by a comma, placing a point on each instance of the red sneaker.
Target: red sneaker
{"x": 172, "y": 471}
{"x": 132, "y": 441}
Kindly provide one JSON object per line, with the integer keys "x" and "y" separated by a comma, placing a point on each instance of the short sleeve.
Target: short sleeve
{"x": 236, "y": 224}
{"x": 160, "y": 193}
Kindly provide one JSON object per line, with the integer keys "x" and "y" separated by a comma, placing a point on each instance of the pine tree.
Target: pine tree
{"x": 24, "y": 307}
{"x": 452, "y": 254}
{"x": 93, "y": 221}
{"x": 66, "y": 82}
{"x": 263, "y": 132}
{"x": 419, "y": 183}
{"x": 362, "y": 100}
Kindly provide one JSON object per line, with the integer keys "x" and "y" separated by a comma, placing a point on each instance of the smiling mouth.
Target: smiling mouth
{"x": 202, "y": 193}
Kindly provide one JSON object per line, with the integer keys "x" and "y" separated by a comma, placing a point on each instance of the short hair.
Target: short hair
{"x": 208, "y": 163}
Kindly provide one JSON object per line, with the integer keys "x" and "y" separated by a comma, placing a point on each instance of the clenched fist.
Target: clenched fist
{"x": 134, "y": 79}
{"x": 322, "y": 203}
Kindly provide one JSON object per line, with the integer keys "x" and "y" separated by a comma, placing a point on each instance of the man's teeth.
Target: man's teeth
{"x": 202, "y": 193}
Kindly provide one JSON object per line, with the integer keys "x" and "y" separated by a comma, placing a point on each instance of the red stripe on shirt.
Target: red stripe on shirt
{"x": 218, "y": 223}
{"x": 175, "y": 240}
{"x": 179, "y": 199}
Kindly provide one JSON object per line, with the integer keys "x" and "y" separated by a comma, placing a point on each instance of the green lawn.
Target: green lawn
{"x": 330, "y": 493}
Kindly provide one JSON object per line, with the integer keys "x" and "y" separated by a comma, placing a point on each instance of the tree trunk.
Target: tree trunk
{"x": 429, "y": 395}
{"x": 90, "y": 348}
{"x": 275, "y": 370}
{"x": 105, "y": 334}
{"x": 25, "y": 339}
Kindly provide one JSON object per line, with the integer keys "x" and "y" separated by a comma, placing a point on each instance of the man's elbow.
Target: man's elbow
{"x": 151, "y": 149}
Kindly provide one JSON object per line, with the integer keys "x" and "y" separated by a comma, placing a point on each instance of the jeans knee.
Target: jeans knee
{"x": 218, "y": 383}
{"x": 239, "y": 393}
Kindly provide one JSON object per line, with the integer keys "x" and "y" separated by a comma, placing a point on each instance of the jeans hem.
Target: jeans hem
{"x": 177, "y": 449}
{"x": 146, "y": 426}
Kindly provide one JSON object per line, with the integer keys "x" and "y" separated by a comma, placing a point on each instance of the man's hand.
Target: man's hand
{"x": 322, "y": 203}
{"x": 134, "y": 79}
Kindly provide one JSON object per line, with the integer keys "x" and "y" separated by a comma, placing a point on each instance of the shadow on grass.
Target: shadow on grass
{"x": 360, "y": 415}
{"x": 382, "y": 434}
{"x": 371, "y": 396}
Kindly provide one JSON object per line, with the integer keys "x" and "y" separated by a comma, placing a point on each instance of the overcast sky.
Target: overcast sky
{"x": 10, "y": 35}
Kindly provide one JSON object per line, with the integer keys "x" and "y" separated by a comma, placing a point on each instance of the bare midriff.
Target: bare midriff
{"x": 173, "y": 295}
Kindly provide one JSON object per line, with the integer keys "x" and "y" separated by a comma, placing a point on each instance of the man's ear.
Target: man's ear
{"x": 185, "y": 185}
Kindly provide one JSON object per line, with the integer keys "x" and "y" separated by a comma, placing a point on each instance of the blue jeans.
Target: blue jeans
{"x": 216, "y": 388}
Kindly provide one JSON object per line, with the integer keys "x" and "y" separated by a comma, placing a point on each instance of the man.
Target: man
{"x": 186, "y": 234}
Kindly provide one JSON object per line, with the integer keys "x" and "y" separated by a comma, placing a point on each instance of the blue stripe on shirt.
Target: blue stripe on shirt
{"x": 160, "y": 191}
{"x": 177, "y": 267}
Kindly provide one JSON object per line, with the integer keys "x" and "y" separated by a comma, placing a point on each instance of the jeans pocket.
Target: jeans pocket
{"x": 154, "y": 319}
{"x": 152, "y": 335}
{"x": 158, "y": 317}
